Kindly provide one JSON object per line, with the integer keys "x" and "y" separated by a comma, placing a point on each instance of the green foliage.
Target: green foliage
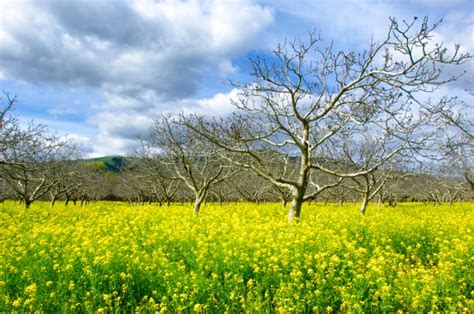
{"x": 111, "y": 256}
{"x": 112, "y": 164}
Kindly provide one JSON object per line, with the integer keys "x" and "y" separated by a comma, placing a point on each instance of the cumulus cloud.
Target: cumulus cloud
{"x": 143, "y": 55}
{"x": 126, "y": 47}
{"x": 120, "y": 128}
{"x": 147, "y": 57}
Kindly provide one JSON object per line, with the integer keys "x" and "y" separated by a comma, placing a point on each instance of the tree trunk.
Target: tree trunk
{"x": 53, "y": 201}
{"x": 300, "y": 189}
{"x": 363, "y": 206}
{"x": 197, "y": 206}
{"x": 27, "y": 203}
{"x": 296, "y": 203}
{"x": 284, "y": 201}
{"x": 198, "y": 199}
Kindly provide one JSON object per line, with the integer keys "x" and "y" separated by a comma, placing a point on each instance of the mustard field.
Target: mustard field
{"x": 236, "y": 257}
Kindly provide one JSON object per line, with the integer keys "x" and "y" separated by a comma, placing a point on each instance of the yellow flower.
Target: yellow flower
{"x": 197, "y": 308}
{"x": 31, "y": 289}
{"x": 17, "y": 302}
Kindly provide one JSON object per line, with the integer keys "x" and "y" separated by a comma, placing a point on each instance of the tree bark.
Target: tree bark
{"x": 53, "y": 201}
{"x": 198, "y": 199}
{"x": 300, "y": 189}
{"x": 363, "y": 206}
{"x": 197, "y": 206}
{"x": 296, "y": 203}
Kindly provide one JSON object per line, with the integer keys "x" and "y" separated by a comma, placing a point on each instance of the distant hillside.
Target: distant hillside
{"x": 113, "y": 164}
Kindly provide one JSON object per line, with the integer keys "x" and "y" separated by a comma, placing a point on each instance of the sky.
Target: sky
{"x": 103, "y": 71}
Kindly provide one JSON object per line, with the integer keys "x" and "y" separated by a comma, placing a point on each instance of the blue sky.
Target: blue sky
{"x": 101, "y": 71}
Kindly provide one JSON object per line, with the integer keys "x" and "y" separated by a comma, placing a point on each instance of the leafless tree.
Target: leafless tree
{"x": 456, "y": 145}
{"x": 70, "y": 176}
{"x": 154, "y": 175}
{"x": 365, "y": 151}
{"x": 32, "y": 159}
{"x": 249, "y": 187}
{"x": 307, "y": 94}
{"x": 6, "y": 107}
{"x": 129, "y": 188}
{"x": 223, "y": 192}
{"x": 6, "y": 139}
{"x": 195, "y": 162}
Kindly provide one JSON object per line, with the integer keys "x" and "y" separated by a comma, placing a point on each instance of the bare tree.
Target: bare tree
{"x": 70, "y": 178}
{"x": 365, "y": 151}
{"x": 5, "y": 136}
{"x": 368, "y": 185}
{"x": 456, "y": 145}
{"x": 6, "y": 107}
{"x": 306, "y": 95}
{"x": 154, "y": 175}
{"x": 31, "y": 161}
{"x": 249, "y": 187}
{"x": 196, "y": 162}
{"x": 223, "y": 192}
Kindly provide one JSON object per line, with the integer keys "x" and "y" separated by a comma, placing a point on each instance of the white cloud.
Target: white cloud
{"x": 346, "y": 22}
{"x": 148, "y": 57}
{"x": 165, "y": 47}
{"x": 442, "y": 3}
{"x": 119, "y": 129}
{"x": 65, "y": 109}
{"x": 145, "y": 56}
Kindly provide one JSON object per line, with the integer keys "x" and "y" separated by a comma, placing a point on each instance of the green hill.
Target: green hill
{"x": 113, "y": 164}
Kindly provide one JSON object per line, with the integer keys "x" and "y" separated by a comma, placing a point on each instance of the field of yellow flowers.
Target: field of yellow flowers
{"x": 236, "y": 257}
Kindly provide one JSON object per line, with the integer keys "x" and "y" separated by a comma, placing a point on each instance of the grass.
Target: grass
{"x": 235, "y": 257}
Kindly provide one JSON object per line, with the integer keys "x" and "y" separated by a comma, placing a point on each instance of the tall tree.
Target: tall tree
{"x": 305, "y": 95}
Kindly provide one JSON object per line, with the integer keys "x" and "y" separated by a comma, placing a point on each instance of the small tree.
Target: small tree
{"x": 154, "y": 173}
{"x": 70, "y": 177}
{"x": 195, "y": 162}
